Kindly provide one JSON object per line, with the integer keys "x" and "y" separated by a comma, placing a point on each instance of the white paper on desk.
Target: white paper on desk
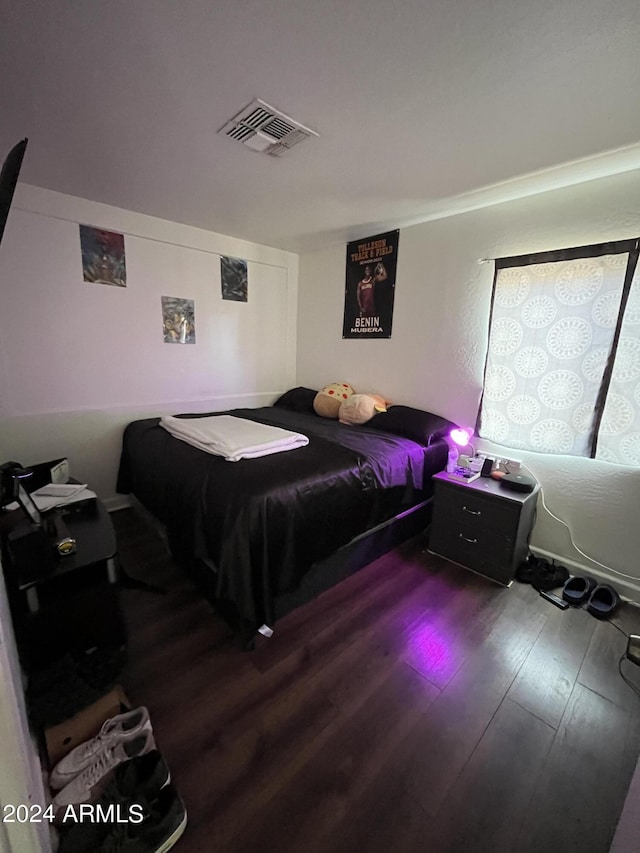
{"x": 59, "y": 490}
{"x": 49, "y": 501}
{"x": 60, "y": 472}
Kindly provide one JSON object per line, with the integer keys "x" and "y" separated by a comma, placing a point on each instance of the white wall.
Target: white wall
{"x": 435, "y": 358}
{"x": 79, "y": 360}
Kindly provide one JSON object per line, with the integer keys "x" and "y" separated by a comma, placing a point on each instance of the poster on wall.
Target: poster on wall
{"x": 178, "y": 320}
{"x": 233, "y": 273}
{"x": 103, "y": 258}
{"x": 370, "y": 286}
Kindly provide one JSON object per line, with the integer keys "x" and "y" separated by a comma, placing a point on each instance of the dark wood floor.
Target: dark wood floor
{"x": 414, "y": 707}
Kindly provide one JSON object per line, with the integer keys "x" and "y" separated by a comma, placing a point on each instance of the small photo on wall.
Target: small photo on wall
{"x": 233, "y": 272}
{"x": 178, "y": 320}
{"x": 103, "y": 259}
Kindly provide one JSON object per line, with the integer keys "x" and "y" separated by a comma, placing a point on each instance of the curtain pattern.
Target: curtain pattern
{"x": 551, "y": 335}
{"x": 619, "y": 434}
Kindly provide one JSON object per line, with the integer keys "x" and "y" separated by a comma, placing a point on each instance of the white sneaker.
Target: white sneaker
{"x": 109, "y": 757}
{"x": 114, "y": 729}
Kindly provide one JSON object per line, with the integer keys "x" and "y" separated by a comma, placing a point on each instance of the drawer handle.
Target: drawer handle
{"x": 472, "y": 511}
{"x": 466, "y": 539}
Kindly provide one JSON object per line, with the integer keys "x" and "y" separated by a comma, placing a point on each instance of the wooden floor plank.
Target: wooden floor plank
{"x": 396, "y": 712}
{"x": 599, "y": 670}
{"x": 546, "y": 680}
{"x": 354, "y": 753}
{"x": 581, "y": 789}
{"x": 457, "y": 720}
{"x": 486, "y": 807}
{"x": 446, "y": 641}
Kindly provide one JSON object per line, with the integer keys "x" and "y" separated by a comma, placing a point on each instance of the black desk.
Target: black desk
{"x": 74, "y": 604}
{"x": 95, "y": 551}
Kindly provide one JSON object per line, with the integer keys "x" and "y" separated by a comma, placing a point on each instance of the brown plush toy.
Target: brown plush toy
{"x": 328, "y": 400}
{"x": 360, "y": 408}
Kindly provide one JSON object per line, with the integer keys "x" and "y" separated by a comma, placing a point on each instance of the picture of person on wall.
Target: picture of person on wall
{"x": 369, "y": 287}
{"x": 366, "y": 289}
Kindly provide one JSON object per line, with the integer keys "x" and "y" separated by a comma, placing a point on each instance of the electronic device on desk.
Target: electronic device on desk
{"x": 7, "y": 481}
{"x": 12, "y": 490}
{"x": 83, "y": 506}
{"x": 463, "y": 475}
{"x": 37, "y": 539}
{"x": 518, "y": 482}
{"x": 487, "y": 467}
{"x": 55, "y": 472}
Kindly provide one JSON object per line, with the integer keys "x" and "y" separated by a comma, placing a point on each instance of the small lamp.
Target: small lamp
{"x": 461, "y": 438}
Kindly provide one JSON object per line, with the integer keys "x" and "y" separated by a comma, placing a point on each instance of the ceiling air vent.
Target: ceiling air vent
{"x": 263, "y": 128}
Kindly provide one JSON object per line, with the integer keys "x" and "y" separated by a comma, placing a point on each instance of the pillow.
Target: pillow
{"x": 297, "y": 400}
{"x": 415, "y": 424}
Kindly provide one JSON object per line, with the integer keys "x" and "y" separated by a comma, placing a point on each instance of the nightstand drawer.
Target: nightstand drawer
{"x": 479, "y": 549}
{"x": 465, "y": 508}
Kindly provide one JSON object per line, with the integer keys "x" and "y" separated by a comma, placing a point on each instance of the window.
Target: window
{"x": 563, "y": 366}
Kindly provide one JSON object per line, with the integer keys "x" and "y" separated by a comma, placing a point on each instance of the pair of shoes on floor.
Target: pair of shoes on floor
{"x": 541, "y": 574}
{"x": 83, "y": 773}
{"x": 601, "y": 599}
{"x": 138, "y": 812}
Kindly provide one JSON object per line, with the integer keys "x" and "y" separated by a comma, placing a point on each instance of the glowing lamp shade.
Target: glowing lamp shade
{"x": 461, "y": 436}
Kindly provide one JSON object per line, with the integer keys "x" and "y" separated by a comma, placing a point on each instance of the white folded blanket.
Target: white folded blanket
{"x": 233, "y": 438}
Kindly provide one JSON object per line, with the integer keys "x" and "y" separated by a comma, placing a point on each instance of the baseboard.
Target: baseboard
{"x": 627, "y": 588}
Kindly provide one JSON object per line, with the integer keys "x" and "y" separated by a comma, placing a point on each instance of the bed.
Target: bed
{"x": 261, "y": 535}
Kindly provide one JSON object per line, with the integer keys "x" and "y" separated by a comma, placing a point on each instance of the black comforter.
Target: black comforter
{"x": 261, "y": 523}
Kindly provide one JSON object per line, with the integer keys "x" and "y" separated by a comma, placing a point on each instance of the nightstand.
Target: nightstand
{"x": 481, "y": 525}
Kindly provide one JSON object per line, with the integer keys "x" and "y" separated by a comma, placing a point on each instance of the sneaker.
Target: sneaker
{"x": 123, "y": 725}
{"x": 109, "y": 757}
{"x": 138, "y": 780}
{"x": 164, "y": 821}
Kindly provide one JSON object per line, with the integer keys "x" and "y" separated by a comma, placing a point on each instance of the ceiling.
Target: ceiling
{"x": 424, "y": 107}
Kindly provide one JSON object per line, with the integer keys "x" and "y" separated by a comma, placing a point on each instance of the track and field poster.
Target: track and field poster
{"x": 370, "y": 286}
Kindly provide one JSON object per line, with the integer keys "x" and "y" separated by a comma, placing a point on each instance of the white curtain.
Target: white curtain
{"x": 619, "y": 434}
{"x": 552, "y": 332}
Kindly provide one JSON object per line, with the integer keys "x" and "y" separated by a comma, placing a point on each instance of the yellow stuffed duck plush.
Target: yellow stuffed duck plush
{"x": 328, "y": 400}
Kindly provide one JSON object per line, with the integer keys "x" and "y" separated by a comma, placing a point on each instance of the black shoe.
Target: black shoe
{"x": 138, "y": 780}
{"x": 163, "y": 822}
{"x": 525, "y": 571}
{"x": 548, "y": 577}
{"x": 145, "y": 774}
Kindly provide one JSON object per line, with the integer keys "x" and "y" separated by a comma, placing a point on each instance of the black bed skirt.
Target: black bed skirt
{"x": 322, "y": 575}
